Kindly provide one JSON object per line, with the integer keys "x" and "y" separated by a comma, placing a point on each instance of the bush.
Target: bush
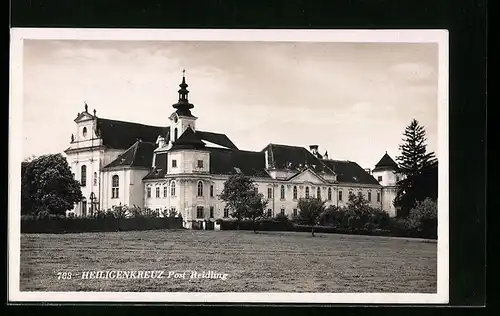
{"x": 281, "y": 218}
{"x": 423, "y": 218}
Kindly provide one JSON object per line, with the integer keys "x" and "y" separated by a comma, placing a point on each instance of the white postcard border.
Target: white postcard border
{"x": 18, "y": 35}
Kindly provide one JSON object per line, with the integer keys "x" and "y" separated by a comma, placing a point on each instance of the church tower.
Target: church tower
{"x": 182, "y": 118}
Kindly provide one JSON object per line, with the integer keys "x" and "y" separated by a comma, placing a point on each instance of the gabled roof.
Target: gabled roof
{"x": 121, "y": 135}
{"x": 219, "y": 139}
{"x": 350, "y": 172}
{"x": 386, "y": 163}
{"x": 293, "y": 157}
{"x": 228, "y": 162}
{"x": 188, "y": 140}
{"x": 140, "y": 154}
{"x": 305, "y": 172}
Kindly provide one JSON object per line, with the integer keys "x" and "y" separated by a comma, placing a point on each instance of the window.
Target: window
{"x": 200, "y": 188}
{"x": 84, "y": 208}
{"x": 282, "y": 192}
{"x": 295, "y": 212}
{"x": 329, "y": 194}
{"x": 294, "y": 192}
{"x": 340, "y": 195}
{"x": 282, "y": 212}
{"x": 226, "y": 212}
{"x": 379, "y": 178}
{"x": 318, "y": 193}
{"x": 378, "y": 196}
{"x": 369, "y": 196}
{"x": 115, "y": 185}
{"x": 84, "y": 131}
{"x": 95, "y": 178}
{"x": 269, "y": 193}
{"x": 157, "y": 192}
{"x": 200, "y": 163}
{"x": 174, "y": 163}
{"x": 83, "y": 175}
{"x": 148, "y": 192}
{"x": 172, "y": 188}
{"x": 175, "y": 134}
{"x": 165, "y": 191}
{"x": 211, "y": 190}
{"x": 199, "y": 212}
{"x": 211, "y": 212}
{"x": 307, "y": 192}
{"x": 269, "y": 212}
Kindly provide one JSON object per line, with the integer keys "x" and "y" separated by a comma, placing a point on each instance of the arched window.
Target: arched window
{"x": 95, "y": 178}
{"x": 200, "y": 188}
{"x": 83, "y": 176}
{"x": 318, "y": 193}
{"x": 294, "y": 192}
{"x": 329, "y": 194}
{"x": 282, "y": 191}
{"x": 115, "y": 184}
{"x": 84, "y": 131}
{"x": 175, "y": 134}
{"x": 172, "y": 188}
{"x": 307, "y": 192}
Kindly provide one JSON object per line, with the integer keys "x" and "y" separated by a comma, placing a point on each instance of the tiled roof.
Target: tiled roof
{"x": 350, "y": 172}
{"x": 122, "y": 135}
{"x": 140, "y": 154}
{"x": 386, "y": 162}
{"x": 228, "y": 162}
{"x": 188, "y": 140}
{"x": 224, "y": 162}
{"x": 294, "y": 157}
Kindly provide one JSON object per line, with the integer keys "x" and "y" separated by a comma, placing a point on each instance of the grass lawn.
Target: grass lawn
{"x": 263, "y": 262}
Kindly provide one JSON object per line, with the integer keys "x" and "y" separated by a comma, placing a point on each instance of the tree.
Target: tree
{"x": 48, "y": 186}
{"x": 255, "y": 207}
{"x": 418, "y": 167}
{"x": 238, "y": 193}
{"x": 310, "y": 212}
{"x": 358, "y": 208}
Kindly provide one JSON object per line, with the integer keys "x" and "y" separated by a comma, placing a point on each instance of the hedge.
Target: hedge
{"x": 272, "y": 225}
{"x": 84, "y": 225}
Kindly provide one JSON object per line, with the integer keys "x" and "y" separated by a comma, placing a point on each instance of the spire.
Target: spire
{"x": 86, "y": 107}
{"x": 183, "y": 106}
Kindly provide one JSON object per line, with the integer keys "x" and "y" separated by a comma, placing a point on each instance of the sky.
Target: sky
{"x": 352, "y": 99}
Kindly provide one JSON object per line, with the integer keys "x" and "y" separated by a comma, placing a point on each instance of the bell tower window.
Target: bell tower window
{"x": 84, "y": 132}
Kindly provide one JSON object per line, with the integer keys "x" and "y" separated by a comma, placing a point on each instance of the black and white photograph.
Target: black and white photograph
{"x": 229, "y": 166}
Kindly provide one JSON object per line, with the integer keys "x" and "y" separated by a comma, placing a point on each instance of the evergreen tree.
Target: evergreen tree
{"x": 418, "y": 168}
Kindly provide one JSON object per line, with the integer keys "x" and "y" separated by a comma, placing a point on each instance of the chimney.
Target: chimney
{"x": 368, "y": 170}
{"x": 325, "y": 155}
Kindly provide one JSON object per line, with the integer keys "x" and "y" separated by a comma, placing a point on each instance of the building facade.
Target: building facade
{"x": 182, "y": 169}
